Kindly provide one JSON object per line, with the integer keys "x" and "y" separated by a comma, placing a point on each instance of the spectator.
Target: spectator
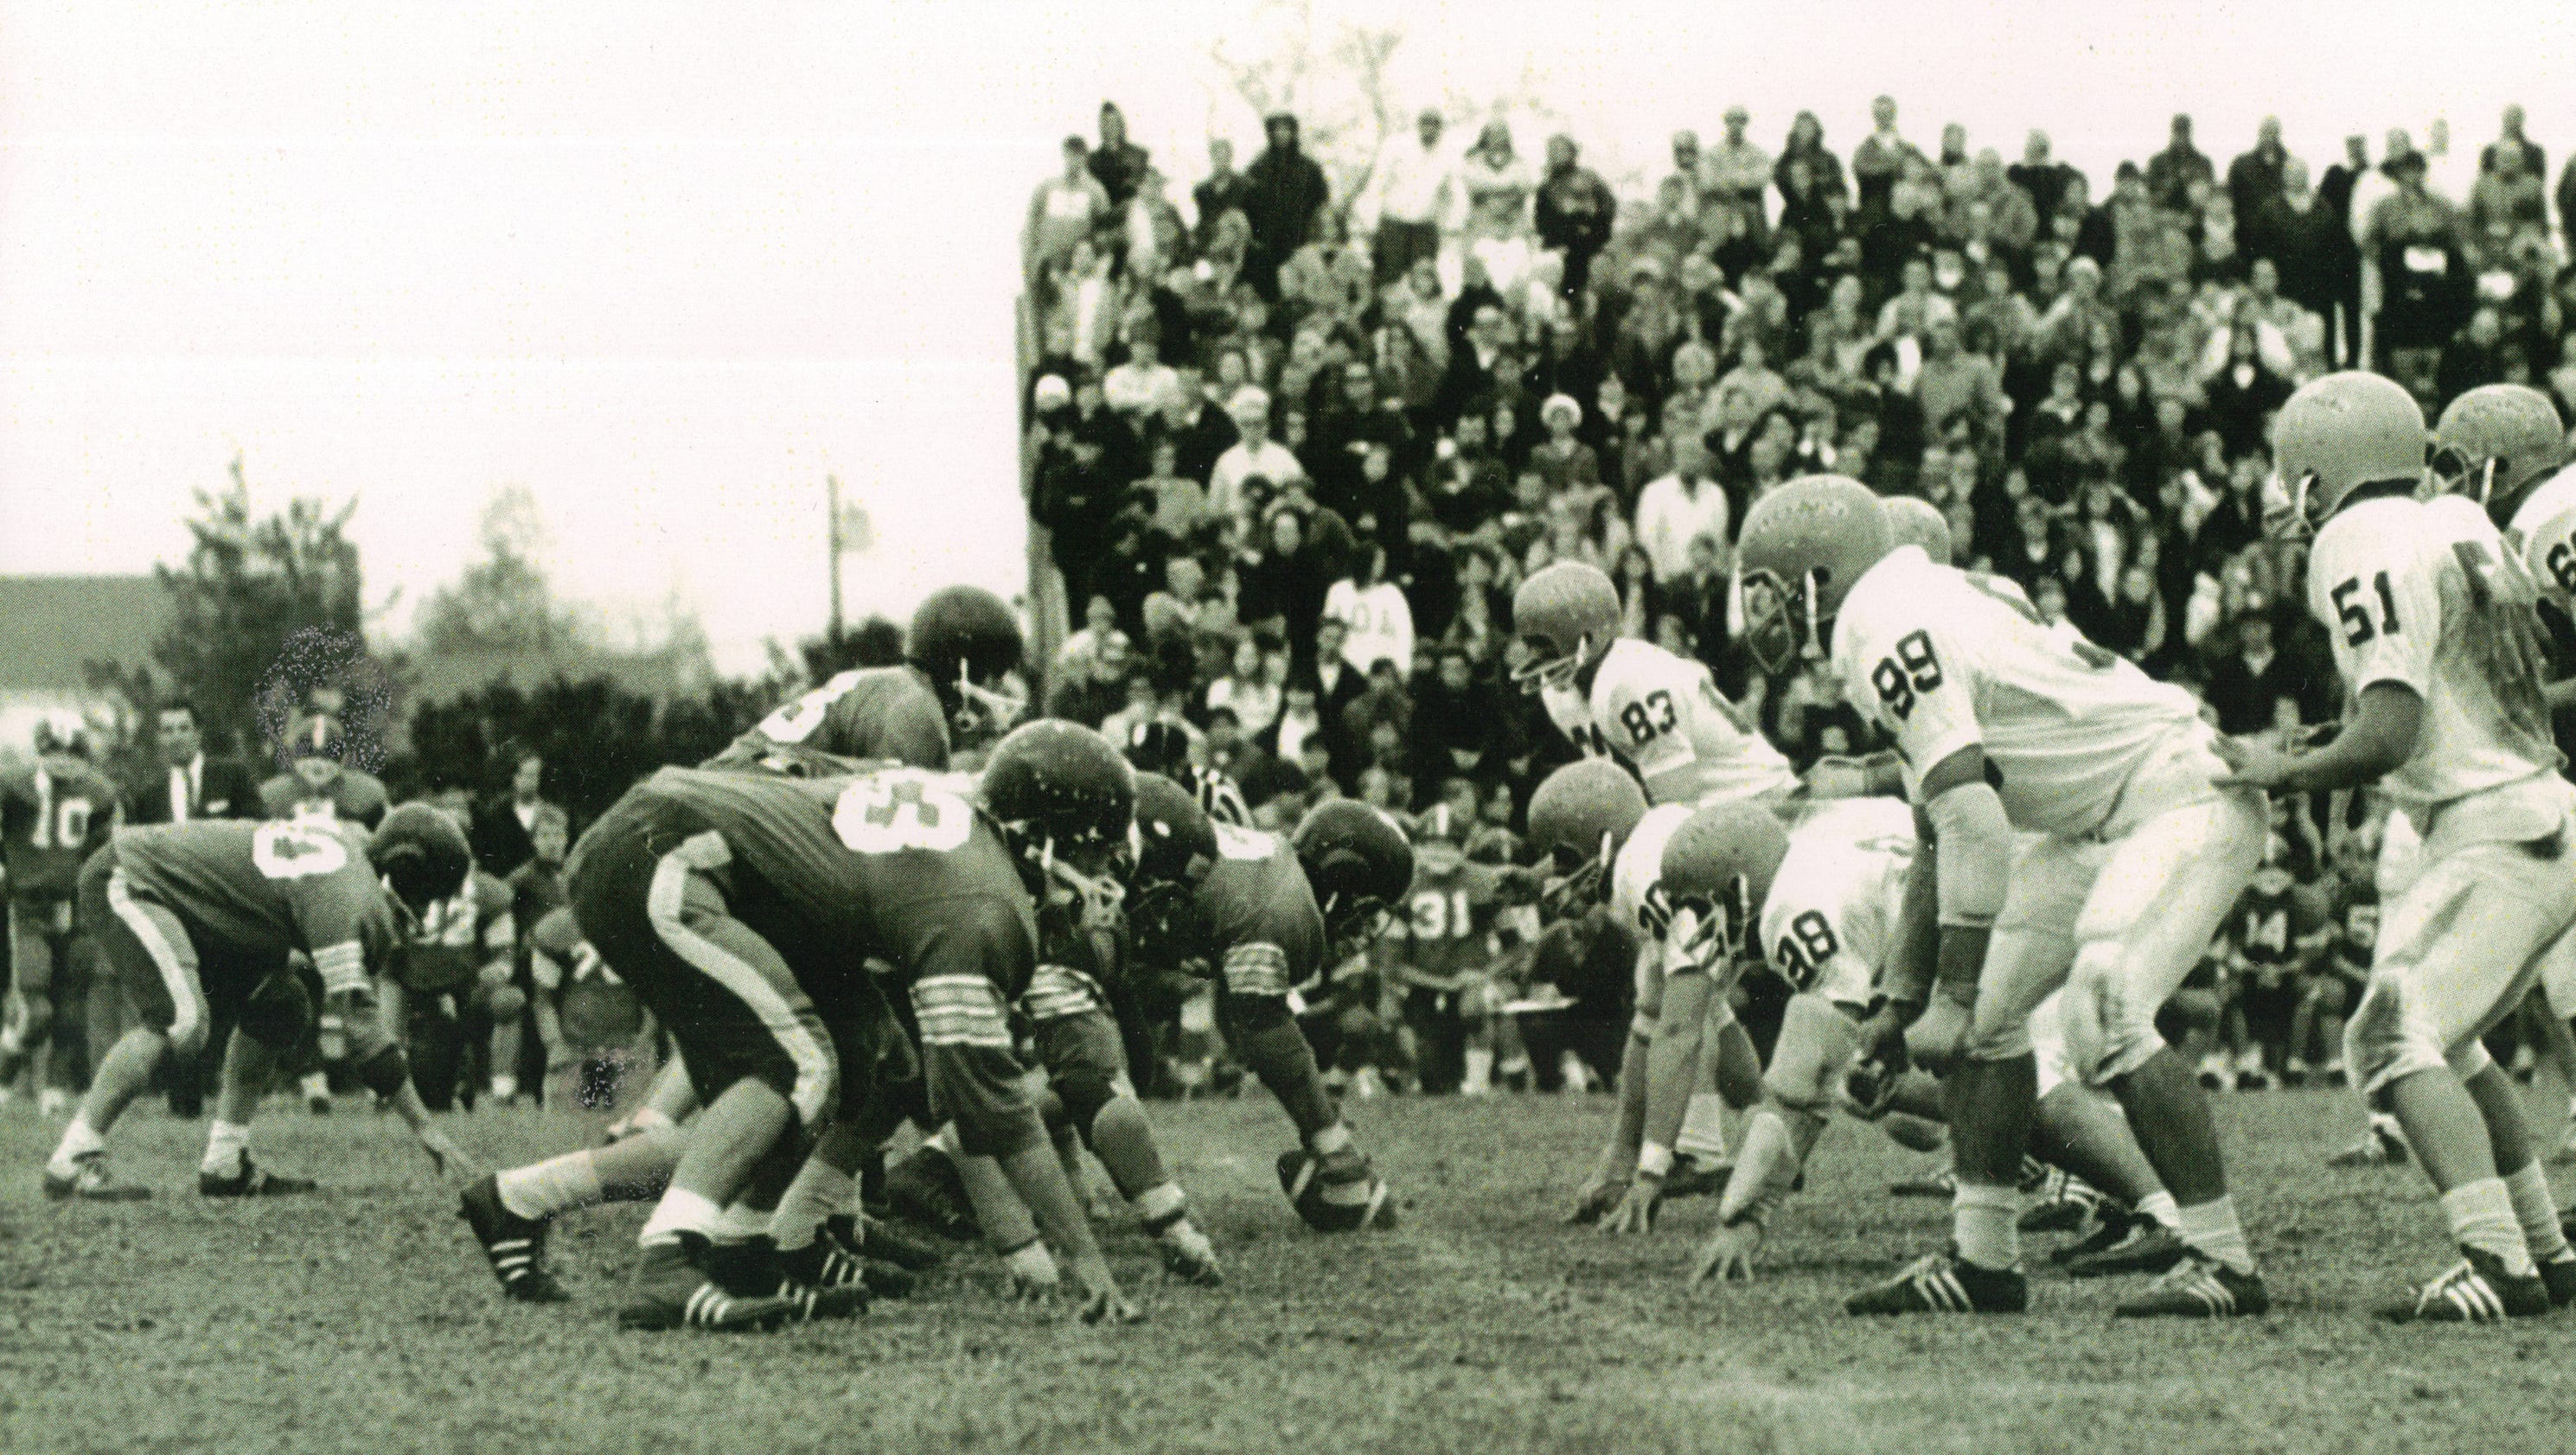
{"x": 1498, "y": 186}
{"x": 1681, "y": 507}
{"x": 2246, "y": 682}
{"x": 2243, "y": 394}
{"x": 1574, "y": 213}
{"x": 1064, "y": 210}
{"x": 2506, "y": 200}
{"x": 2043, "y": 178}
{"x": 2171, "y": 172}
{"x": 1144, "y": 384}
{"x": 1955, "y": 386}
{"x": 1249, "y": 692}
{"x": 1879, "y": 159}
{"x": 190, "y": 784}
{"x": 1225, "y": 190}
{"x": 1254, "y": 455}
{"x": 505, "y": 830}
{"x": 1117, "y": 164}
{"x": 2414, "y": 240}
{"x": 1735, "y": 174}
{"x": 1088, "y": 698}
{"x": 1283, "y": 578}
{"x": 1377, "y": 620}
{"x": 2534, "y": 154}
{"x": 2472, "y": 357}
{"x": 1414, "y": 190}
{"x": 2254, "y": 182}
{"x": 1283, "y": 190}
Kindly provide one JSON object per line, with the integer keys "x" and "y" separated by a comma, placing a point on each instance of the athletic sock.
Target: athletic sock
{"x": 2537, "y": 1210}
{"x": 556, "y": 1185}
{"x": 2481, "y": 1216}
{"x": 2159, "y": 1206}
{"x": 505, "y": 1088}
{"x": 227, "y": 1147}
{"x": 79, "y": 1141}
{"x": 1330, "y": 1140}
{"x": 2211, "y": 1230}
{"x": 1480, "y": 1072}
{"x": 820, "y": 1190}
{"x": 1158, "y": 1207}
{"x": 1985, "y": 1223}
{"x": 680, "y": 1211}
{"x": 1703, "y": 1133}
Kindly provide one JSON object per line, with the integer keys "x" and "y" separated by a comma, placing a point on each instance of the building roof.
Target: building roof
{"x": 51, "y": 627}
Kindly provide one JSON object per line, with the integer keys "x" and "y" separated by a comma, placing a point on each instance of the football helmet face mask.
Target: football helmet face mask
{"x": 1805, "y": 545}
{"x": 1065, "y": 802}
{"x": 1578, "y": 818}
{"x": 1718, "y": 867}
{"x": 421, "y": 857}
{"x": 967, "y": 642}
{"x": 1358, "y": 863}
{"x": 2335, "y": 435}
{"x": 1569, "y": 615}
{"x": 1175, "y": 848}
{"x": 2494, "y": 443}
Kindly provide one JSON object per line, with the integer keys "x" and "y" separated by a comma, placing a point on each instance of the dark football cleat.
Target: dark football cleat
{"x": 90, "y": 1182}
{"x": 2377, "y": 1148}
{"x": 1697, "y": 1177}
{"x": 253, "y": 1180}
{"x": 830, "y": 1263}
{"x": 2066, "y": 1202}
{"x": 1938, "y": 1184}
{"x": 924, "y": 1190}
{"x": 755, "y": 1268}
{"x": 2150, "y": 1247}
{"x": 1336, "y": 1194}
{"x": 2559, "y": 1277}
{"x": 2112, "y": 1226}
{"x": 673, "y": 1292}
{"x": 2200, "y": 1288}
{"x": 2477, "y": 1290}
{"x": 1945, "y": 1283}
{"x": 883, "y": 1242}
{"x": 515, "y": 1246}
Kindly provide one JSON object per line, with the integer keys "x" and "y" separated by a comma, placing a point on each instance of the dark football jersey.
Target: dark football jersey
{"x": 2268, "y": 928}
{"x": 353, "y": 797}
{"x": 55, "y": 812}
{"x": 457, "y": 937}
{"x": 1259, "y": 912}
{"x": 894, "y": 865}
{"x": 887, "y": 713}
{"x": 536, "y": 890}
{"x": 260, "y": 890}
{"x": 596, "y": 1008}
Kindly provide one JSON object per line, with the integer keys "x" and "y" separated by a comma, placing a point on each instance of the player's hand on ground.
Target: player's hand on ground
{"x": 1599, "y": 1193}
{"x": 1033, "y": 1273}
{"x": 1882, "y": 1042}
{"x": 1727, "y": 1256}
{"x": 1103, "y": 1302}
{"x": 1636, "y": 1210}
{"x": 2252, "y": 764}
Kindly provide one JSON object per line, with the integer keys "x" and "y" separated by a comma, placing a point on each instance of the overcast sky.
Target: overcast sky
{"x": 669, "y": 264}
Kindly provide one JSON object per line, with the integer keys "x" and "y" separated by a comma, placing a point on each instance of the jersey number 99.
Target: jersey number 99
{"x": 1913, "y": 671}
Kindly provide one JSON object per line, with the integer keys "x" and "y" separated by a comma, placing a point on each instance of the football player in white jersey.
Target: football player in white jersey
{"x": 1620, "y": 697}
{"x": 2435, "y": 635}
{"x": 1687, "y": 1057}
{"x": 2005, "y": 725}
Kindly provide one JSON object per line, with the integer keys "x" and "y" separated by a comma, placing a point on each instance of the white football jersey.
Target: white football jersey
{"x": 1944, "y": 659}
{"x": 2427, "y": 594}
{"x": 1637, "y": 897}
{"x": 1831, "y": 918}
{"x": 1662, "y": 715}
{"x": 2544, "y": 528}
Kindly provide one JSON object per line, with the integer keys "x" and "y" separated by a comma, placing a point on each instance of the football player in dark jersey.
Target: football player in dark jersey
{"x": 959, "y": 655}
{"x": 744, "y": 909}
{"x": 198, "y": 920}
{"x": 55, "y": 811}
{"x": 1266, "y": 915}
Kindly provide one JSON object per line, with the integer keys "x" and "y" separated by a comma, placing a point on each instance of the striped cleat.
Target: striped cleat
{"x": 672, "y": 1292}
{"x": 515, "y": 1246}
{"x": 1945, "y": 1283}
{"x": 2477, "y": 1290}
{"x": 1338, "y": 1193}
{"x": 88, "y": 1181}
{"x": 829, "y": 1262}
{"x": 2559, "y": 1276}
{"x": 2200, "y": 1288}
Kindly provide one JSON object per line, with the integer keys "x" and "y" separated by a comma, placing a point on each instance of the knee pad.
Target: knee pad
{"x": 1080, "y": 1093}
{"x": 278, "y": 1014}
{"x": 2109, "y": 1033}
{"x": 1254, "y": 1013}
{"x": 2385, "y": 1041}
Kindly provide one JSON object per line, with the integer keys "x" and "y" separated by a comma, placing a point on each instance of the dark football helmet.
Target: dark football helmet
{"x": 1066, "y": 804}
{"x": 968, "y": 643}
{"x": 1175, "y": 847}
{"x": 421, "y": 855}
{"x": 1356, "y": 860}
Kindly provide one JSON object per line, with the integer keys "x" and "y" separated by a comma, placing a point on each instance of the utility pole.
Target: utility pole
{"x": 832, "y": 532}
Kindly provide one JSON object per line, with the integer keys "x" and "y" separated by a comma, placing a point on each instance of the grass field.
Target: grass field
{"x": 362, "y": 1319}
